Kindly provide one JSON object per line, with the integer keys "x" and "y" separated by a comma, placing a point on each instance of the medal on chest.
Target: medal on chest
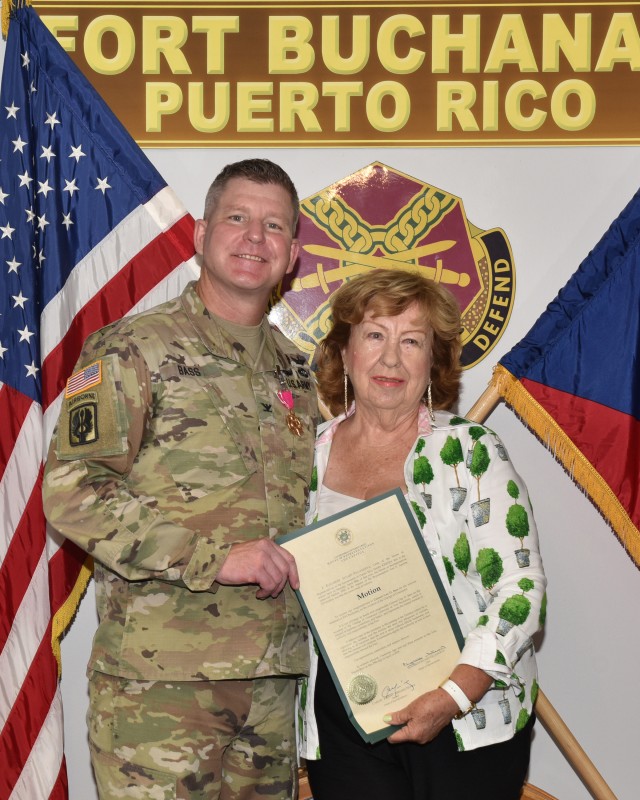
{"x": 285, "y": 396}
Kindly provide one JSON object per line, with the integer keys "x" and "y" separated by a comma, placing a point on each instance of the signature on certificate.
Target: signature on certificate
{"x": 425, "y": 657}
{"x": 397, "y": 689}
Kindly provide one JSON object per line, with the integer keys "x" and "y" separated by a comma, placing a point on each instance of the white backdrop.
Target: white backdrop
{"x": 554, "y": 204}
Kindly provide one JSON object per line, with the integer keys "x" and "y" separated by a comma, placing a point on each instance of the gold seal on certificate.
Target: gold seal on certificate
{"x": 362, "y": 689}
{"x": 377, "y": 608}
{"x": 344, "y": 536}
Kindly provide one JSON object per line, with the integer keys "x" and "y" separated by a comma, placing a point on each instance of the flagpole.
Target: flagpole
{"x": 547, "y": 714}
{"x": 484, "y": 405}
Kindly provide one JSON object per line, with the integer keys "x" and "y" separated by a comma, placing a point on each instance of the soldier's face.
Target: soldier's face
{"x": 247, "y": 243}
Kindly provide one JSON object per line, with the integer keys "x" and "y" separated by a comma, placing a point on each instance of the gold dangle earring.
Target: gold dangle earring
{"x": 430, "y": 403}
{"x": 346, "y": 395}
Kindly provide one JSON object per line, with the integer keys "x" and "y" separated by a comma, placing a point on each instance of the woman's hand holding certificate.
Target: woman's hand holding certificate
{"x": 377, "y": 609}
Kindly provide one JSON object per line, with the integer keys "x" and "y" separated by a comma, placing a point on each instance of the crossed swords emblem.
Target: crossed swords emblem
{"x": 357, "y": 263}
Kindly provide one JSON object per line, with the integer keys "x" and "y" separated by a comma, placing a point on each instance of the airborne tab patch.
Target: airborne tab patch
{"x": 83, "y": 424}
{"x": 93, "y": 418}
{"x": 84, "y": 379}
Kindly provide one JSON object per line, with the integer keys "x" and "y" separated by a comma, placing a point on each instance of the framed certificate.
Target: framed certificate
{"x": 376, "y": 607}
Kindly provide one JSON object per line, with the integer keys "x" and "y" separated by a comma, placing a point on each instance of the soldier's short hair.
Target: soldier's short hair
{"x": 258, "y": 170}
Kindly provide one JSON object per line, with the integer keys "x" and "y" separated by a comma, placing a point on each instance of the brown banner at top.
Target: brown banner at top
{"x": 343, "y": 74}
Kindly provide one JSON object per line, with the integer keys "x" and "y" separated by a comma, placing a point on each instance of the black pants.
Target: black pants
{"x": 351, "y": 769}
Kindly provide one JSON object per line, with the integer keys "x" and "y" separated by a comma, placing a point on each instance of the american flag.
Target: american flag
{"x": 89, "y": 232}
{"x": 84, "y": 379}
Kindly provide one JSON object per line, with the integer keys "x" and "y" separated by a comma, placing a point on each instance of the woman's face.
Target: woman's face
{"x": 388, "y": 360}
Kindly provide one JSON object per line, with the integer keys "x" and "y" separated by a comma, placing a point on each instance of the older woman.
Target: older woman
{"x": 390, "y": 364}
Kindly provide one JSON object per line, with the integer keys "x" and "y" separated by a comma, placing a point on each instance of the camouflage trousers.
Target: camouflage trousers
{"x": 232, "y": 740}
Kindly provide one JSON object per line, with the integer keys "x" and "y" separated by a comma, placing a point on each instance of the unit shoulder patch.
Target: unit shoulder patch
{"x": 93, "y": 418}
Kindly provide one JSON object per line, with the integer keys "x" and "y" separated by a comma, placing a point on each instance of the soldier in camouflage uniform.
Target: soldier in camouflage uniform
{"x": 184, "y": 446}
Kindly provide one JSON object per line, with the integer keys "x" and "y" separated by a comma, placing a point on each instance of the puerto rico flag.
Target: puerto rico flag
{"x": 575, "y": 377}
{"x": 89, "y": 232}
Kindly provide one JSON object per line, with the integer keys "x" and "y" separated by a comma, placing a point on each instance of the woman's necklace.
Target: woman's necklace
{"x": 285, "y": 396}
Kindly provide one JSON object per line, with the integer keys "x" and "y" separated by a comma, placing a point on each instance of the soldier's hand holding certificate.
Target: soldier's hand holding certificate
{"x": 376, "y": 607}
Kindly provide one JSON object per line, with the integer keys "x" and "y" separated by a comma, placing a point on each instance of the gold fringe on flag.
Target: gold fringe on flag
{"x": 7, "y": 7}
{"x": 67, "y": 611}
{"x": 5, "y": 14}
{"x": 580, "y": 469}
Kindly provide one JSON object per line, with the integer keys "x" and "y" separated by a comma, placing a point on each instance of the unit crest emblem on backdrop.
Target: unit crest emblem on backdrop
{"x": 380, "y": 217}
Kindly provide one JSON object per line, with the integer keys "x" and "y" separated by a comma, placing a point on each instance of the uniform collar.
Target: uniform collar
{"x": 214, "y": 339}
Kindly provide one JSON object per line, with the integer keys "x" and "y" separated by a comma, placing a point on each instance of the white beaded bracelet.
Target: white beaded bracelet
{"x": 462, "y": 701}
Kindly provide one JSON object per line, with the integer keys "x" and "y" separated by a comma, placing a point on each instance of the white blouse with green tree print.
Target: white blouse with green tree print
{"x": 477, "y": 522}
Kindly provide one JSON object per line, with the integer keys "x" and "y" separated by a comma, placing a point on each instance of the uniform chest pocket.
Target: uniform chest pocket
{"x": 203, "y": 446}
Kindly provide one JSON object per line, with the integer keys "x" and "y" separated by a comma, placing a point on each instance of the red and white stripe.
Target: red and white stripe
{"x": 147, "y": 259}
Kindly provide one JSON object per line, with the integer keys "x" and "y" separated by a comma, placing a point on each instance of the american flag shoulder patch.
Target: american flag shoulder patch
{"x": 84, "y": 379}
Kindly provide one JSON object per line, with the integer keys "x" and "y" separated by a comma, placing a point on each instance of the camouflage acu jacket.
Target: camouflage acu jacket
{"x": 169, "y": 450}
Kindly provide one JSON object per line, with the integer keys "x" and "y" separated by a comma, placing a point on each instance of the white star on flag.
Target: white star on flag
{"x": 47, "y": 152}
{"x": 44, "y": 188}
{"x": 52, "y": 120}
{"x": 31, "y": 370}
{"x": 70, "y": 186}
{"x": 19, "y": 300}
{"x": 76, "y": 152}
{"x": 25, "y": 334}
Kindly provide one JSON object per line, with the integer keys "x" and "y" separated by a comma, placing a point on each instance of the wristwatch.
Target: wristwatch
{"x": 462, "y": 701}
